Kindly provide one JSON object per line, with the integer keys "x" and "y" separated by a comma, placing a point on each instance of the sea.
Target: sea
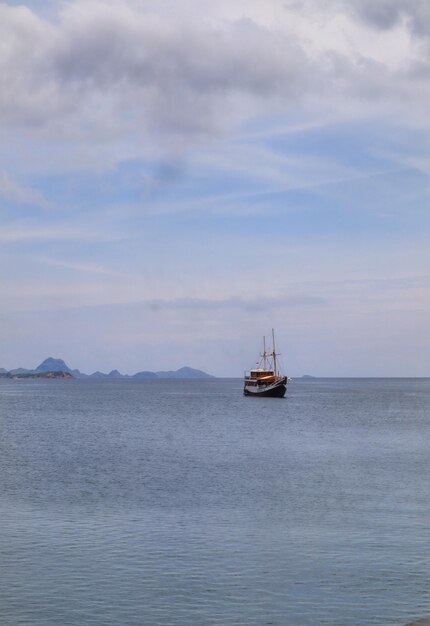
{"x": 182, "y": 502}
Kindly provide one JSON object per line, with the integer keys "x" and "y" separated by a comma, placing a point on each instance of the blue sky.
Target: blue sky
{"x": 175, "y": 182}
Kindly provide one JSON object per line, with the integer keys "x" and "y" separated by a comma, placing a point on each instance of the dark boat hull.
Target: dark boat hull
{"x": 269, "y": 391}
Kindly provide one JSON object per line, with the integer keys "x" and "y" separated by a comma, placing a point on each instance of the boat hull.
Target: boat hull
{"x": 276, "y": 390}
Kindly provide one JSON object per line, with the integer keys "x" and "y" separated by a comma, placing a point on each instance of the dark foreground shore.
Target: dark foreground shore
{"x": 420, "y": 622}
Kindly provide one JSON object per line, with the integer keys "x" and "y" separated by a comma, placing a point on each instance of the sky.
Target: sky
{"x": 178, "y": 178}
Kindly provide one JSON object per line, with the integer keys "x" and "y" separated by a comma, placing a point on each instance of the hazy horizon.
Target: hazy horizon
{"x": 296, "y": 376}
{"x": 176, "y": 181}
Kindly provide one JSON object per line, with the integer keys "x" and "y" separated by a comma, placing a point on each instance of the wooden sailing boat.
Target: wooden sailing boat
{"x": 266, "y": 381}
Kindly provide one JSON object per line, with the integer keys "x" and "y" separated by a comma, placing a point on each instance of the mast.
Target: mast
{"x": 274, "y": 352}
{"x": 264, "y": 353}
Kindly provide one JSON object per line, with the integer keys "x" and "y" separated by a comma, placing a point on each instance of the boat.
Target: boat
{"x": 266, "y": 381}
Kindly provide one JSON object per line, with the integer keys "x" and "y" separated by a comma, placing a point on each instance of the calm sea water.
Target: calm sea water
{"x": 149, "y": 503}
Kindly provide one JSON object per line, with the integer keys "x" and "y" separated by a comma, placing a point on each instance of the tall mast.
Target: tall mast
{"x": 264, "y": 353}
{"x": 274, "y": 351}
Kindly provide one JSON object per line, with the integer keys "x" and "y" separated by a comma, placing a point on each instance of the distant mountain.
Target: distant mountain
{"x": 112, "y": 374}
{"x": 116, "y": 374}
{"x": 53, "y": 365}
{"x": 50, "y": 368}
{"x": 142, "y": 375}
{"x": 97, "y": 375}
{"x": 184, "y": 372}
{"x": 78, "y": 374}
{"x": 58, "y": 365}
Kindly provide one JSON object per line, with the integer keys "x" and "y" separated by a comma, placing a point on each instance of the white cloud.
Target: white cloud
{"x": 104, "y": 70}
{"x": 74, "y": 266}
{"x": 26, "y": 232}
{"x": 113, "y": 65}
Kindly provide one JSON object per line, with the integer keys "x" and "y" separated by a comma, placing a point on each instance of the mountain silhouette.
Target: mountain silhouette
{"x": 58, "y": 365}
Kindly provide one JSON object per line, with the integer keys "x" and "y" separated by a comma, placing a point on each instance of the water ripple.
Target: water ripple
{"x": 182, "y": 503}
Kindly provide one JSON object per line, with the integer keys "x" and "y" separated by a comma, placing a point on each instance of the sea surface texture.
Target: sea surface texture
{"x": 167, "y": 502}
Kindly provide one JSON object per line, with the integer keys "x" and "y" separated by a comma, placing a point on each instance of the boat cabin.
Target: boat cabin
{"x": 260, "y": 373}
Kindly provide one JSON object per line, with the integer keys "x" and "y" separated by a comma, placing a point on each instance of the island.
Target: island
{"x": 34, "y": 374}
{"x": 57, "y": 368}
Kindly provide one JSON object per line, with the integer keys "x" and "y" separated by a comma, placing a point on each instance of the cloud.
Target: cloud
{"x": 85, "y": 268}
{"x": 11, "y": 190}
{"x": 385, "y": 14}
{"x": 234, "y": 303}
{"x": 114, "y": 64}
{"x": 26, "y": 232}
{"x": 103, "y": 70}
